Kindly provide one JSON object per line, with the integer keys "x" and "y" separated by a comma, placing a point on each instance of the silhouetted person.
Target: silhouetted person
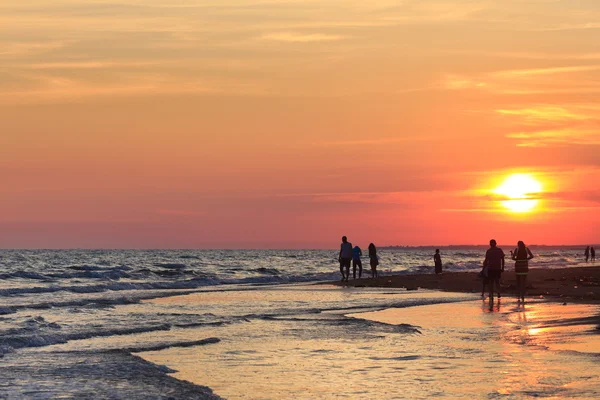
{"x": 483, "y": 274}
{"x": 593, "y": 254}
{"x": 356, "y": 262}
{"x": 494, "y": 261}
{"x": 373, "y": 260}
{"x": 521, "y": 255}
{"x": 587, "y": 253}
{"x": 345, "y": 258}
{"x": 437, "y": 259}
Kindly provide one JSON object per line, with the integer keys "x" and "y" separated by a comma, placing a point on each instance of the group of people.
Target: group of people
{"x": 494, "y": 264}
{"x": 590, "y": 252}
{"x": 352, "y": 255}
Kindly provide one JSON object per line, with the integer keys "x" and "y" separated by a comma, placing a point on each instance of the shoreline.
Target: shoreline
{"x": 577, "y": 283}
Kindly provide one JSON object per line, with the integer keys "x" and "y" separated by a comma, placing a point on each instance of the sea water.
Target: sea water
{"x": 247, "y": 325}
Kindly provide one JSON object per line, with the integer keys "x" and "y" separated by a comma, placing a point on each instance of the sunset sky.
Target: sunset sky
{"x": 287, "y": 124}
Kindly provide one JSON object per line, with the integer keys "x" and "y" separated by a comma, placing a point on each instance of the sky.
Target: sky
{"x": 287, "y": 124}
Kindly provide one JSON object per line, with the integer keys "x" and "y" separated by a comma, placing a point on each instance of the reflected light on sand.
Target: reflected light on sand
{"x": 536, "y": 331}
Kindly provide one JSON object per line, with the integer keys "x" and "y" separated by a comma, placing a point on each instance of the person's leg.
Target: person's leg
{"x": 354, "y": 269}
{"x": 347, "y": 269}
{"x": 524, "y": 288}
{"x": 520, "y": 286}
{"x": 498, "y": 286}
{"x": 342, "y": 269}
{"x": 359, "y": 269}
{"x": 522, "y": 283}
{"x": 491, "y": 288}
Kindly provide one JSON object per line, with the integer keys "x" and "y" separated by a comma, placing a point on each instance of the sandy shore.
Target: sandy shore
{"x": 581, "y": 283}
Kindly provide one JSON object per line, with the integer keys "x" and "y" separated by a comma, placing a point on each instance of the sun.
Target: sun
{"x": 520, "y": 192}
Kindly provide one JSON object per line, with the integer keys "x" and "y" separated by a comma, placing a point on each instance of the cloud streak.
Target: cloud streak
{"x": 294, "y": 37}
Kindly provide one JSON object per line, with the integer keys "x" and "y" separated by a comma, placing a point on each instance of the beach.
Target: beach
{"x": 577, "y": 283}
{"x": 391, "y": 343}
{"x": 280, "y": 324}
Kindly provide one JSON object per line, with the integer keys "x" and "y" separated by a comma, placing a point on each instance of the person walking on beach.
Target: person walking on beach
{"x": 356, "y": 262}
{"x": 345, "y": 258}
{"x": 521, "y": 255}
{"x": 373, "y": 260}
{"x": 494, "y": 261}
{"x": 593, "y": 254}
{"x": 586, "y": 253}
{"x": 437, "y": 259}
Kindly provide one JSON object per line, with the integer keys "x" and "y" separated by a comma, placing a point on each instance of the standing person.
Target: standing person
{"x": 373, "y": 260}
{"x": 521, "y": 255}
{"x": 494, "y": 261}
{"x": 483, "y": 274}
{"x": 437, "y": 259}
{"x": 342, "y": 269}
{"x": 345, "y": 258}
{"x": 356, "y": 254}
{"x": 586, "y": 253}
{"x": 593, "y": 254}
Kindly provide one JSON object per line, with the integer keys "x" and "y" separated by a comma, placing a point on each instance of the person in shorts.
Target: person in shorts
{"x": 521, "y": 255}
{"x": 494, "y": 261}
{"x": 345, "y": 258}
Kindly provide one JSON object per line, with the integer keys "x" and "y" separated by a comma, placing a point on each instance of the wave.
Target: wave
{"x": 164, "y": 346}
{"x": 86, "y": 267}
{"x": 23, "y": 338}
{"x": 269, "y": 271}
{"x": 171, "y": 265}
{"x": 113, "y": 374}
{"x": 92, "y": 302}
{"x": 119, "y": 286}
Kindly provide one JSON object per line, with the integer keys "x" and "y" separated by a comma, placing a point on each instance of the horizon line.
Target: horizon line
{"x": 271, "y": 248}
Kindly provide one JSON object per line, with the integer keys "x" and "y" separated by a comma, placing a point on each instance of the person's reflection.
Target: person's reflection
{"x": 493, "y": 307}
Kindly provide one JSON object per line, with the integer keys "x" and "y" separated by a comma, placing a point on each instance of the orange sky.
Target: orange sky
{"x": 258, "y": 123}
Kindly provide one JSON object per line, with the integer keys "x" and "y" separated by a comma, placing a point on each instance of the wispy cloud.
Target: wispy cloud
{"x": 544, "y": 113}
{"x": 556, "y": 137}
{"x": 181, "y": 213}
{"x": 365, "y": 142}
{"x": 545, "y": 71}
{"x": 90, "y": 64}
{"x": 301, "y": 37}
{"x": 557, "y": 125}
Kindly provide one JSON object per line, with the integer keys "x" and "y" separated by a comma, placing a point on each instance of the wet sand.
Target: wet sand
{"x": 581, "y": 283}
{"x": 326, "y": 342}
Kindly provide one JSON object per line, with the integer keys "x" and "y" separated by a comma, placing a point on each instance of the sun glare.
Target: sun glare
{"x": 520, "y": 192}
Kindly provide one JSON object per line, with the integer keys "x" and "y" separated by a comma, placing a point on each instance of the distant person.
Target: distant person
{"x": 494, "y": 261}
{"x": 437, "y": 259}
{"x": 373, "y": 260}
{"x": 587, "y": 253}
{"x": 521, "y": 255}
{"x": 593, "y": 254}
{"x": 345, "y": 258}
{"x": 356, "y": 262}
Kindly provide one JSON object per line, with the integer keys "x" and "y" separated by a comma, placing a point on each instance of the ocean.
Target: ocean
{"x": 250, "y": 324}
